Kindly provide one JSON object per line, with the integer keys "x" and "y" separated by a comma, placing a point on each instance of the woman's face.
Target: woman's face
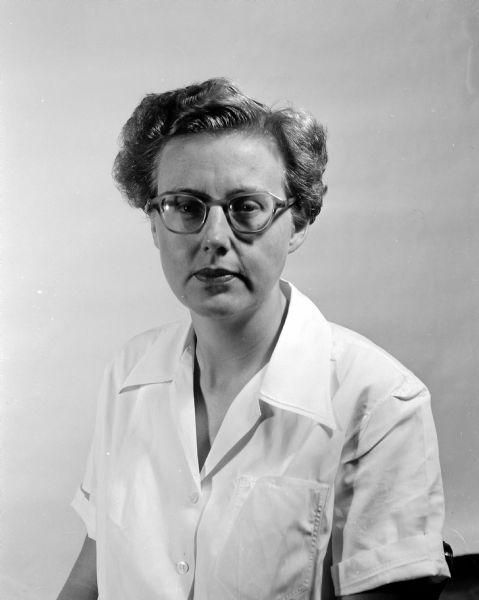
{"x": 216, "y": 272}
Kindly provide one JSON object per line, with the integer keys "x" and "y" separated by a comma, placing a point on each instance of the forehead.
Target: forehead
{"x": 216, "y": 164}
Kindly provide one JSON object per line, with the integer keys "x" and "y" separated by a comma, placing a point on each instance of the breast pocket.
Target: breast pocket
{"x": 270, "y": 551}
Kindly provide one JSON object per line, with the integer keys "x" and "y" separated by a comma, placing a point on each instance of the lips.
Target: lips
{"x": 214, "y": 275}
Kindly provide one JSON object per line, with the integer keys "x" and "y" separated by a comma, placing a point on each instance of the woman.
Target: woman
{"x": 229, "y": 451}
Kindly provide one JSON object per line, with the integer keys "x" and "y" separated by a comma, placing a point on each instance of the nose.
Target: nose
{"x": 216, "y": 231}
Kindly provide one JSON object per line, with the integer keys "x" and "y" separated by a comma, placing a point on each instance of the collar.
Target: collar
{"x": 297, "y": 377}
{"x": 291, "y": 383}
{"x": 161, "y": 359}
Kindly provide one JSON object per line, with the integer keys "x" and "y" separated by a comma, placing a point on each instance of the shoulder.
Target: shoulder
{"x": 139, "y": 344}
{"x": 158, "y": 340}
{"x": 360, "y": 362}
{"x": 358, "y": 366}
{"x": 367, "y": 381}
{"x": 374, "y": 394}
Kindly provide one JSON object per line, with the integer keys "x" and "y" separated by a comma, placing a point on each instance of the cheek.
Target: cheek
{"x": 272, "y": 260}
{"x": 170, "y": 256}
{"x": 277, "y": 247}
{"x": 171, "y": 245}
{"x": 177, "y": 257}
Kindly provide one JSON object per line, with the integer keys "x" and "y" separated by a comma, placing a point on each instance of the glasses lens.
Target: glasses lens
{"x": 251, "y": 212}
{"x": 182, "y": 213}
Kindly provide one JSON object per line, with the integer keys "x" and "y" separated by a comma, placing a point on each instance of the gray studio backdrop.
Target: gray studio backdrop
{"x": 393, "y": 255}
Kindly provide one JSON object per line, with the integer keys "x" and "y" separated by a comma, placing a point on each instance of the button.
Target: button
{"x": 182, "y": 567}
{"x": 194, "y": 497}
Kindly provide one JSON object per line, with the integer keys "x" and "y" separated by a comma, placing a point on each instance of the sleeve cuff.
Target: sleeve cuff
{"x": 86, "y": 511}
{"x": 410, "y": 558}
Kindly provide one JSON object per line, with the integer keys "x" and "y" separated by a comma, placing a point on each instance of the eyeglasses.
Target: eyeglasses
{"x": 246, "y": 212}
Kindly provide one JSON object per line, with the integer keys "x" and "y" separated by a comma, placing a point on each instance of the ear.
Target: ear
{"x": 154, "y": 230}
{"x": 297, "y": 237}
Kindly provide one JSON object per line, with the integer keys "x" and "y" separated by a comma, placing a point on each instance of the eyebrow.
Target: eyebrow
{"x": 204, "y": 196}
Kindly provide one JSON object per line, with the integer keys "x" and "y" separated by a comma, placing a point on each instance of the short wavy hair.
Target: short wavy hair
{"x": 217, "y": 106}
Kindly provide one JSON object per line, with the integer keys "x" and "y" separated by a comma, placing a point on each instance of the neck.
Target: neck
{"x": 227, "y": 347}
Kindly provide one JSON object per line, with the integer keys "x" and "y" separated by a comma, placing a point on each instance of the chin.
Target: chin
{"x": 214, "y": 303}
{"x": 216, "y": 310}
{"x": 220, "y": 307}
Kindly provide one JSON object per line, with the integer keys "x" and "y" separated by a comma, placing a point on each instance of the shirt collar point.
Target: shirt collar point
{"x": 161, "y": 360}
{"x": 322, "y": 417}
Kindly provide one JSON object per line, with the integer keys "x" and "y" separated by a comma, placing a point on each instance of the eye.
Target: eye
{"x": 188, "y": 207}
{"x": 247, "y": 205}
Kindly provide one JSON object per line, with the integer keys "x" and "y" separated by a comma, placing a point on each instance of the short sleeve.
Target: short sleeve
{"x": 389, "y": 507}
{"x": 83, "y": 501}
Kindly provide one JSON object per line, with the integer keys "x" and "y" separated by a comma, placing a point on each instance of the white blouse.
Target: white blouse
{"x": 333, "y": 439}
